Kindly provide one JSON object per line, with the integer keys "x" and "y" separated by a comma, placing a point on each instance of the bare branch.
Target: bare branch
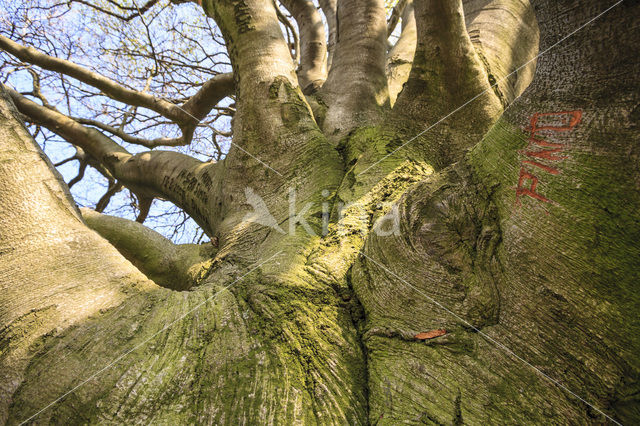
{"x": 111, "y": 88}
{"x": 113, "y": 188}
{"x": 81, "y": 169}
{"x": 400, "y": 57}
{"x": 170, "y": 265}
{"x": 138, "y": 11}
{"x": 291, "y": 33}
{"x": 211, "y": 92}
{"x": 37, "y": 92}
{"x": 396, "y": 13}
{"x": 60, "y": 163}
{"x": 313, "y": 64}
{"x": 144, "y": 205}
{"x": 163, "y": 174}
{"x": 329, "y": 8}
{"x": 148, "y": 143}
{"x": 356, "y": 86}
{"x": 187, "y": 116}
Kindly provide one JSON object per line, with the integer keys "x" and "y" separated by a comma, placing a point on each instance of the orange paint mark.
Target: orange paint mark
{"x": 546, "y": 154}
{"x": 543, "y": 143}
{"x": 544, "y": 167}
{"x": 430, "y": 334}
{"x": 568, "y": 120}
{"x": 531, "y": 190}
{"x": 549, "y": 121}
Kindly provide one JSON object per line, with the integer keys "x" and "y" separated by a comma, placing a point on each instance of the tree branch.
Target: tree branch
{"x": 148, "y": 143}
{"x": 138, "y": 11}
{"x": 187, "y": 116}
{"x": 112, "y": 189}
{"x": 110, "y": 88}
{"x": 211, "y": 92}
{"x": 356, "y": 87}
{"x": 179, "y": 178}
{"x": 290, "y": 31}
{"x": 81, "y": 169}
{"x": 396, "y": 13}
{"x": 265, "y": 74}
{"x": 400, "y": 57}
{"x": 173, "y": 266}
{"x": 313, "y": 65}
{"x": 505, "y": 35}
{"x": 446, "y": 71}
{"x": 329, "y": 8}
{"x": 144, "y": 205}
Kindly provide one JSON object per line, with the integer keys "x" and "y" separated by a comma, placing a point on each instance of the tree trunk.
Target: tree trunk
{"x": 525, "y": 252}
{"x": 508, "y": 295}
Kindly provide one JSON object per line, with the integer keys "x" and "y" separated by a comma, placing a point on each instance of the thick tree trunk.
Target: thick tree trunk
{"x": 523, "y": 250}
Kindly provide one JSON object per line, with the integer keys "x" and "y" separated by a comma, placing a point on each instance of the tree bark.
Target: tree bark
{"x": 510, "y": 289}
{"x": 535, "y": 285}
{"x": 48, "y": 257}
{"x": 312, "y": 71}
{"x": 356, "y": 90}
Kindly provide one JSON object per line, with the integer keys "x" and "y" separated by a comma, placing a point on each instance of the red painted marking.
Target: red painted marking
{"x": 544, "y": 167}
{"x": 551, "y": 121}
{"x": 569, "y": 120}
{"x": 531, "y": 190}
{"x": 543, "y": 143}
{"x": 430, "y": 334}
{"x": 546, "y": 154}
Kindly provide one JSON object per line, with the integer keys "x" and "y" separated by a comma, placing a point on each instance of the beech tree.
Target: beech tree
{"x": 428, "y": 213}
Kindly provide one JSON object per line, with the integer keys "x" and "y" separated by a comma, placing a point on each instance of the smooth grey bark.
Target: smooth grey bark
{"x": 312, "y": 71}
{"x": 356, "y": 88}
{"x": 55, "y": 271}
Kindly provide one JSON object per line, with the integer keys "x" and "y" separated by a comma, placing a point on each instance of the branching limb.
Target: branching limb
{"x": 110, "y": 88}
{"x": 113, "y": 188}
{"x": 148, "y": 143}
{"x": 81, "y": 169}
{"x": 186, "y": 116}
{"x": 356, "y": 87}
{"x": 37, "y": 92}
{"x": 173, "y": 266}
{"x": 313, "y": 66}
{"x": 396, "y": 13}
{"x": 135, "y": 11}
{"x": 330, "y": 8}
{"x": 264, "y": 71}
{"x": 179, "y": 178}
{"x": 505, "y": 34}
{"x": 400, "y": 57}
{"x": 66, "y": 160}
{"x": 293, "y": 40}
{"x": 446, "y": 71}
{"x": 144, "y": 205}
{"x": 211, "y": 92}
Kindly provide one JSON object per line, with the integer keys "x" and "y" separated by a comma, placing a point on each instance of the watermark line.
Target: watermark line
{"x": 492, "y": 86}
{"x": 165, "y": 328}
{"x": 491, "y": 339}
